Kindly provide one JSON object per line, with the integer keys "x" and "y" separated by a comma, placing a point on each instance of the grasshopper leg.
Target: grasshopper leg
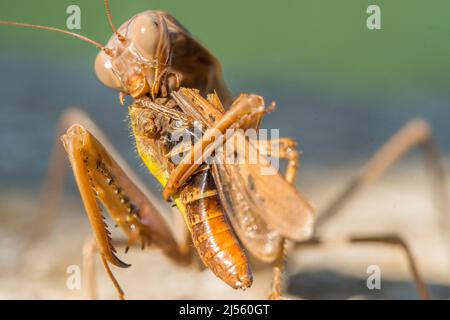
{"x": 287, "y": 149}
{"x": 245, "y": 110}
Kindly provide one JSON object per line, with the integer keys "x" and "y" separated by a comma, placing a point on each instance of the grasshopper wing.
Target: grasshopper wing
{"x": 261, "y": 205}
{"x": 196, "y": 65}
{"x": 257, "y": 237}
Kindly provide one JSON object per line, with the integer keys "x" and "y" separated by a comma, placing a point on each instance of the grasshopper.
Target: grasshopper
{"x": 232, "y": 211}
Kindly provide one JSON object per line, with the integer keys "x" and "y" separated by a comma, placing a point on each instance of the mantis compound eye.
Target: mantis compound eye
{"x": 103, "y": 69}
{"x": 145, "y": 33}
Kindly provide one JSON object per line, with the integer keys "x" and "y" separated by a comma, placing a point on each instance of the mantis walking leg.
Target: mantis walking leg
{"x": 386, "y": 239}
{"x": 416, "y": 133}
{"x": 287, "y": 150}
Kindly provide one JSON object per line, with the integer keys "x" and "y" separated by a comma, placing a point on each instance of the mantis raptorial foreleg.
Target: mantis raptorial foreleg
{"x": 53, "y": 186}
{"x": 90, "y": 250}
{"x": 100, "y": 177}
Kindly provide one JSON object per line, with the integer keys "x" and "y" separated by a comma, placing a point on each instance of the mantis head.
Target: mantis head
{"x": 136, "y": 59}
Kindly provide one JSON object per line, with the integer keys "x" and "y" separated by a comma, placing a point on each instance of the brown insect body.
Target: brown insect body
{"x": 211, "y": 234}
{"x": 138, "y": 70}
{"x": 151, "y": 57}
{"x": 199, "y": 201}
{"x": 153, "y": 43}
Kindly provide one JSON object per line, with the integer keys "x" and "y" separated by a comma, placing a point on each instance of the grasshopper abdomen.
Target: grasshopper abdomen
{"x": 212, "y": 236}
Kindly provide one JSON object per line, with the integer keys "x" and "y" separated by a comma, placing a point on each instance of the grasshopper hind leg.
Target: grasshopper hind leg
{"x": 287, "y": 149}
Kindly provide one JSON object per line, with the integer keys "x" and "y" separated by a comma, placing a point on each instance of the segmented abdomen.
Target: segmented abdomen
{"x": 212, "y": 236}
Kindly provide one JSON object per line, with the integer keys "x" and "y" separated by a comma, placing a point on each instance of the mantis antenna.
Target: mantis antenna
{"x": 111, "y": 23}
{"x": 73, "y": 34}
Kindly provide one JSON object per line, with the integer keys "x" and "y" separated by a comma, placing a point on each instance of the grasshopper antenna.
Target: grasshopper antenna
{"x": 73, "y": 34}
{"x": 111, "y": 23}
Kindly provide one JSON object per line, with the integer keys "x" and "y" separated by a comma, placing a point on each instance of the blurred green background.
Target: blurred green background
{"x": 341, "y": 89}
{"x": 327, "y": 39}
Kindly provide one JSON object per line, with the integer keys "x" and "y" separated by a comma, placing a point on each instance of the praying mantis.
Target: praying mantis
{"x": 232, "y": 212}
